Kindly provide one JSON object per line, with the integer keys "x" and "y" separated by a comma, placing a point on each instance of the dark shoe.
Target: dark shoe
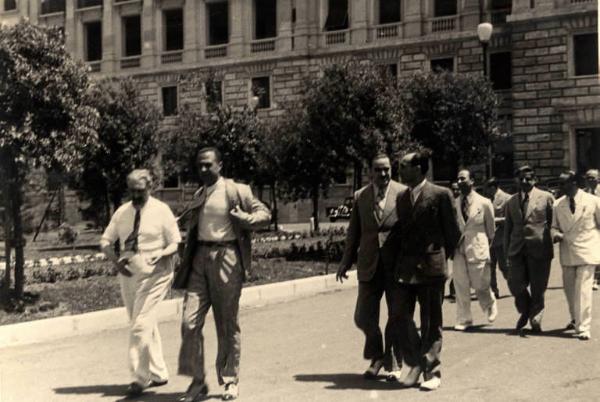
{"x": 196, "y": 392}
{"x": 521, "y": 322}
{"x": 536, "y": 327}
{"x": 373, "y": 370}
{"x": 497, "y": 294}
{"x": 231, "y": 392}
{"x": 134, "y": 390}
{"x": 158, "y": 383}
{"x": 570, "y": 325}
{"x": 410, "y": 376}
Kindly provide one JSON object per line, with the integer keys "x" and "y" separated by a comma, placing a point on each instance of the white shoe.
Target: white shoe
{"x": 492, "y": 312}
{"x": 462, "y": 327}
{"x": 431, "y": 384}
{"x": 393, "y": 376}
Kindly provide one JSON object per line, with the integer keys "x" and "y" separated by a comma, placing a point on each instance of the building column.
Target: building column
{"x": 108, "y": 38}
{"x": 301, "y": 28}
{"x": 190, "y": 28}
{"x": 359, "y": 21}
{"x": 469, "y": 15}
{"x": 201, "y": 23}
{"x": 236, "y": 38}
{"x": 32, "y": 12}
{"x": 284, "y": 25}
{"x": 414, "y": 14}
{"x": 149, "y": 35}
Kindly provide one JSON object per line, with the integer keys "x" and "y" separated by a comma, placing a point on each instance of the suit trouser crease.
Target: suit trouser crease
{"x": 527, "y": 271}
{"x": 498, "y": 258}
{"x": 577, "y": 282}
{"x": 422, "y": 349}
{"x": 469, "y": 275}
{"x": 216, "y": 280}
{"x": 141, "y": 294}
{"x": 366, "y": 318}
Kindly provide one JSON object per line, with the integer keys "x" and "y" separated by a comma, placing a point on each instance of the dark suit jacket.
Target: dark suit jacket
{"x": 531, "y": 231}
{"x": 425, "y": 234}
{"x": 237, "y": 194}
{"x": 365, "y": 231}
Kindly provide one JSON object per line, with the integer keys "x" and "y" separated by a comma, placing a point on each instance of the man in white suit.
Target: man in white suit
{"x": 592, "y": 186}
{"x": 576, "y": 225}
{"x": 471, "y": 267}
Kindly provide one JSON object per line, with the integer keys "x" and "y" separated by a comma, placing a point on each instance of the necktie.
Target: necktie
{"x": 524, "y": 202}
{"x": 464, "y": 208}
{"x": 572, "y": 204}
{"x": 131, "y": 244}
{"x": 378, "y": 207}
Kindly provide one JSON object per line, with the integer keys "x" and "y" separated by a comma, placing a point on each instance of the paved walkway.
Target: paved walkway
{"x": 309, "y": 350}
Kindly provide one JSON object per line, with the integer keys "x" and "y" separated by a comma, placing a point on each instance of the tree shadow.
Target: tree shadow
{"x": 344, "y": 381}
{"x": 118, "y": 390}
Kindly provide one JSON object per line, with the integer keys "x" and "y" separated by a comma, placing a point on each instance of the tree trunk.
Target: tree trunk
{"x": 274, "y": 199}
{"x": 315, "y": 200}
{"x": 7, "y": 243}
{"x": 19, "y": 241}
{"x": 106, "y": 218}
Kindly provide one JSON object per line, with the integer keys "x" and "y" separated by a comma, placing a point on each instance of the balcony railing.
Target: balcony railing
{"x": 388, "y": 31}
{"x": 95, "y": 66}
{"x": 52, "y": 6}
{"x": 499, "y": 16}
{"x": 88, "y": 3}
{"x": 443, "y": 24}
{"x": 336, "y": 38}
{"x": 582, "y": 1}
{"x": 130, "y": 62}
{"x": 215, "y": 51}
{"x": 175, "y": 56}
{"x": 264, "y": 45}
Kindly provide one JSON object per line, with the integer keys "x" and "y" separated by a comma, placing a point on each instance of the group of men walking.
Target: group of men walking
{"x": 401, "y": 235}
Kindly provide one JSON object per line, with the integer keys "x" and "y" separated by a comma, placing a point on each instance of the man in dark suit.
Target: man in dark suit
{"x": 372, "y": 218}
{"x": 425, "y": 235}
{"x": 528, "y": 247}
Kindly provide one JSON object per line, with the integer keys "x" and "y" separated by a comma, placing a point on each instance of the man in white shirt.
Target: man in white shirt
{"x": 148, "y": 235}
{"x": 576, "y": 225}
{"x": 216, "y": 257}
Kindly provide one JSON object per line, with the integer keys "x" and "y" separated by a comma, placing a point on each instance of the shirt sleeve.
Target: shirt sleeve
{"x": 111, "y": 233}
{"x": 170, "y": 227}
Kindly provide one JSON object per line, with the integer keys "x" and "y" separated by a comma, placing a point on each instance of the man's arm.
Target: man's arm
{"x": 449, "y": 223}
{"x": 352, "y": 242}
{"x": 556, "y": 231}
{"x": 109, "y": 237}
{"x": 258, "y": 215}
{"x": 597, "y": 212}
{"x": 488, "y": 220}
{"x": 508, "y": 227}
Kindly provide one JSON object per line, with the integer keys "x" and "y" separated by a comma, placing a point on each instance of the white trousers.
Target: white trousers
{"x": 577, "y": 282}
{"x": 141, "y": 294}
{"x": 468, "y": 275}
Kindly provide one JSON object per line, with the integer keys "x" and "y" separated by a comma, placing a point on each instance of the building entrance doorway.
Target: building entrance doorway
{"x": 588, "y": 148}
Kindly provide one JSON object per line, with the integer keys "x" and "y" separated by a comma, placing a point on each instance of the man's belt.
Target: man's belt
{"x": 224, "y": 243}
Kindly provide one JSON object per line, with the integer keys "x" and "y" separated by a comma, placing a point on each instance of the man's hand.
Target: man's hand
{"x": 341, "y": 274}
{"x": 122, "y": 268}
{"x": 558, "y": 236}
{"x": 238, "y": 214}
{"x": 155, "y": 259}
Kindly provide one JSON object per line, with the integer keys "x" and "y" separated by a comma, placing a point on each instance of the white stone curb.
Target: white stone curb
{"x": 55, "y": 328}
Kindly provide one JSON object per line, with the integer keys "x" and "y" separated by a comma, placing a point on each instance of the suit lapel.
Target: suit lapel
{"x": 533, "y": 197}
{"x": 389, "y": 203}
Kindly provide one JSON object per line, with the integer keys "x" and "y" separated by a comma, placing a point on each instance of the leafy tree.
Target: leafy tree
{"x": 128, "y": 134}
{"x": 45, "y": 120}
{"x": 452, "y": 114}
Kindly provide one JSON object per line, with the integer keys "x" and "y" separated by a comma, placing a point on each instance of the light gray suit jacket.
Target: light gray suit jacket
{"x": 478, "y": 231}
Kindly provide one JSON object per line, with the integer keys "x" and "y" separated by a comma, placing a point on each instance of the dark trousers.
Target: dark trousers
{"x": 366, "y": 317}
{"x": 497, "y": 257}
{"x": 422, "y": 349}
{"x": 526, "y": 271}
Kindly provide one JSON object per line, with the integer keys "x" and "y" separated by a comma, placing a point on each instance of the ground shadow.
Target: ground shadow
{"x": 349, "y": 381}
{"x": 118, "y": 390}
{"x": 482, "y": 329}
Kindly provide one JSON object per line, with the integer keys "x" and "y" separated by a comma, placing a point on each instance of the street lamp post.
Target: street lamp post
{"x": 484, "y": 32}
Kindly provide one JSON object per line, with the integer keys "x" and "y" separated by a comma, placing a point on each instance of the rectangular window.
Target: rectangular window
{"x": 265, "y": 19}
{"x": 93, "y": 41}
{"x": 169, "y": 100}
{"x": 214, "y": 94}
{"x": 52, "y": 6}
{"x": 218, "y": 22}
{"x": 443, "y": 64}
{"x": 132, "y": 29}
{"x": 337, "y": 15}
{"x": 261, "y": 87}
{"x": 442, "y": 8}
{"x": 10, "y": 5}
{"x": 389, "y": 11}
{"x": 501, "y": 70}
{"x": 88, "y": 3}
{"x": 173, "y": 20}
{"x": 588, "y": 148}
{"x": 585, "y": 54}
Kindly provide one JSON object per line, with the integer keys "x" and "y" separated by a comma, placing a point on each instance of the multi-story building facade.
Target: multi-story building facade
{"x": 542, "y": 57}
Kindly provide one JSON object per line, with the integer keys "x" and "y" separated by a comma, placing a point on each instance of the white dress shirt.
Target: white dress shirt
{"x": 214, "y": 219}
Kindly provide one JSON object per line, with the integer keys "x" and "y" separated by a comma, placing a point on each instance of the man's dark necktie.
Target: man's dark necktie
{"x": 131, "y": 244}
{"x": 524, "y": 203}
{"x": 464, "y": 208}
{"x": 572, "y": 204}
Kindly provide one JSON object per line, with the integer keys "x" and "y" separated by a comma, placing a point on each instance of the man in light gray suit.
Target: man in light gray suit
{"x": 373, "y": 215}
{"x": 528, "y": 247}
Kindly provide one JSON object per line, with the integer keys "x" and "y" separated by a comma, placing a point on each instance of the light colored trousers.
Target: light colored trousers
{"x": 577, "y": 282}
{"x": 468, "y": 275}
{"x": 141, "y": 293}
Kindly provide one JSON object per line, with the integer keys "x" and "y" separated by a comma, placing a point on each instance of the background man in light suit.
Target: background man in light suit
{"x": 592, "y": 186}
{"x": 499, "y": 199}
{"x": 425, "y": 235}
{"x": 471, "y": 263}
{"x": 528, "y": 247}
{"x": 216, "y": 256}
{"x": 373, "y": 215}
{"x": 576, "y": 225}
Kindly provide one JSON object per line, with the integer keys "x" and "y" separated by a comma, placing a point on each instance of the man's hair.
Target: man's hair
{"x": 379, "y": 155}
{"x": 570, "y": 176}
{"x": 592, "y": 174}
{"x": 139, "y": 176}
{"x": 465, "y": 170}
{"x": 214, "y": 150}
{"x": 524, "y": 169}
{"x": 421, "y": 159}
{"x": 492, "y": 182}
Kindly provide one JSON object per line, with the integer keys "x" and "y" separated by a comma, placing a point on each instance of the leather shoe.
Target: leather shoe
{"x": 521, "y": 322}
{"x": 432, "y": 384}
{"x": 570, "y": 325}
{"x": 373, "y": 370}
{"x": 462, "y": 327}
{"x": 492, "y": 312}
{"x": 134, "y": 390}
{"x": 410, "y": 376}
{"x": 157, "y": 383}
{"x": 231, "y": 392}
{"x": 583, "y": 336}
{"x": 536, "y": 327}
{"x": 196, "y": 392}
{"x": 393, "y": 376}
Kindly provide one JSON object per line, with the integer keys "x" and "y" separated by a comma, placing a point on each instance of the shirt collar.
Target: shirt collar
{"x": 216, "y": 184}
{"x": 419, "y": 187}
{"x": 469, "y": 197}
{"x": 385, "y": 191}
